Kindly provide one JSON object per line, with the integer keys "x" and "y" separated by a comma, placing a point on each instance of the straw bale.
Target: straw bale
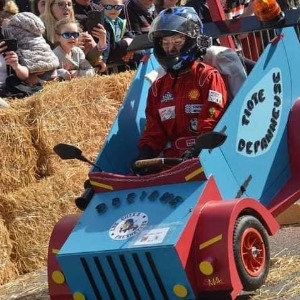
{"x": 283, "y": 281}
{"x": 291, "y": 216}
{"x": 8, "y": 270}
{"x": 18, "y": 157}
{"x": 31, "y": 213}
{"x": 78, "y": 112}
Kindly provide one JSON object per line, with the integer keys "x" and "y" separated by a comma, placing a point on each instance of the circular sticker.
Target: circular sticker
{"x": 128, "y": 226}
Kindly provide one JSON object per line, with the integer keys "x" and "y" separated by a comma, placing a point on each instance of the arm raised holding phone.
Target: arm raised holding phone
{"x": 8, "y": 49}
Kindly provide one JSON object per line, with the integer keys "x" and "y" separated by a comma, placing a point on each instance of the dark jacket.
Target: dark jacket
{"x": 138, "y": 18}
{"x": 201, "y": 8}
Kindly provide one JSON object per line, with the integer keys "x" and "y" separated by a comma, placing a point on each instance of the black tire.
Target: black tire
{"x": 251, "y": 252}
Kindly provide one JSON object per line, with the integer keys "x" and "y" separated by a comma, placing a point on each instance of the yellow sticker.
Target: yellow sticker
{"x": 212, "y": 111}
{"x": 193, "y": 94}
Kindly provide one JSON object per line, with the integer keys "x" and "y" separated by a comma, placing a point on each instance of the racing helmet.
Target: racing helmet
{"x": 172, "y": 21}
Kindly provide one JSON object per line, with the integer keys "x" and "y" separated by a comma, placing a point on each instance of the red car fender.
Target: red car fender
{"x": 58, "y": 288}
{"x": 214, "y": 240}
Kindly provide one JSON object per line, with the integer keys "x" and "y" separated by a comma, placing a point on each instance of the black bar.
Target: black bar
{"x": 104, "y": 279}
{"x": 91, "y": 279}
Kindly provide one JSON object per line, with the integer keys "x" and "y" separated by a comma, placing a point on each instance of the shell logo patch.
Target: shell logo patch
{"x": 128, "y": 226}
{"x": 212, "y": 111}
{"x": 193, "y": 94}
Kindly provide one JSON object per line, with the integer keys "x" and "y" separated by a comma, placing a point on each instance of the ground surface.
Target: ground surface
{"x": 283, "y": 282}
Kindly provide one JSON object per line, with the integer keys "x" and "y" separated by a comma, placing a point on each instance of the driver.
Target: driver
{"x": 191, "y": 97}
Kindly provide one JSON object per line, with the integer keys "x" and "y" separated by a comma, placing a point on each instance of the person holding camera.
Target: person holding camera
{"x": 10, "y": 63}
{"x": 189, "y": 99}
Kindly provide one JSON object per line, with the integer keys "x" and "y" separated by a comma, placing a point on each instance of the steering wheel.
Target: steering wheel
{"x": 157, "y": 162}
{"x": 208, "y": 140}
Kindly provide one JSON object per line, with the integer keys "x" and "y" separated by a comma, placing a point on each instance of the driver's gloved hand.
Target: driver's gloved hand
{"x": 188, "y": 154}
{"x": 145, "y": 152}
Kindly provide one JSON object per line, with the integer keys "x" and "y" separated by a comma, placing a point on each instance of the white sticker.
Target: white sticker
{"x": 128, "y": 226}
{"x": 167, "y": 113}
{"x": 215, "y": 97}
{"x": 152, "y": 236}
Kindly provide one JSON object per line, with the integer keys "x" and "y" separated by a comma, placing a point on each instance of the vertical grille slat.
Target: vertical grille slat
{"x": 90, "y": 277}
{"x": 130, "y": 277}
{"x": 117, "y": 277}
{"x": 143, "y": 275}
{"x": 157, "y": 276}
{"x": 104, "y": 279}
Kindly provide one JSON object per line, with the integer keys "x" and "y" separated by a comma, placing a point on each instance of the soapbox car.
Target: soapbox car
{"x": 197, "y": 230}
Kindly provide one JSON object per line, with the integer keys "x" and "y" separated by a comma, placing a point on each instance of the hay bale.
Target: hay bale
{"x": 78, "y": 112}
{"x": 8, "y": 270}
{"x": 31, "y": 213}
{"x": 290, "y": 216}
{"x": 18, "y": 156}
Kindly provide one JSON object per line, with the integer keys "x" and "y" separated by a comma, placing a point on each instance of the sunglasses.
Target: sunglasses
{"x": 63, "y": 5}
{"x": 115, "y": 7}
{"x": 68, "y": 35}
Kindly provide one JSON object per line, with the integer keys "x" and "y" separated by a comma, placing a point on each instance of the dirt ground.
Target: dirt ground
{"x": 283, "y": 282}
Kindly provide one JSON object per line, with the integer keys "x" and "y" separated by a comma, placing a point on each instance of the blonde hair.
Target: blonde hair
{"x": 49, "y": 20}
{"x": 10, "y": 9}
{"x": 59, "y": 24}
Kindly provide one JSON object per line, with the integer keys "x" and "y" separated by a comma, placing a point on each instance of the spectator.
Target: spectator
{"x": 81, "y": 9}
{"x": 10, "y": 9}
{"x": 139, "y": 15}
{"x": 10, "y": 64}
{"x": 190, "y": 98}
{"x": 55, "y": 10}
{"x": 201, "y": 7}
{"x": 38, "y": 57}
{"x": 71, "y": 58}
{"x": 163, "y": 4}
{"x": 37, "y": 7}
{"x": 118, "y": 38}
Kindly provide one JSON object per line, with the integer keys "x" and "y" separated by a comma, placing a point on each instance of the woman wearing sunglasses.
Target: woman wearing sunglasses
{"x": 71, "y": 58}
{"x": 55, "y": 10}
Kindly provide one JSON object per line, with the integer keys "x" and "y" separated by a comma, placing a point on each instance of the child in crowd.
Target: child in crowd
{"x": 72, "y": 59}
{"x": 28, "y": 29}
{"x": 118, "y": 37}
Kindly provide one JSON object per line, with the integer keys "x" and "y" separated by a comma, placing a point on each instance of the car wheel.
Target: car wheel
{"x": 251, "y": 252}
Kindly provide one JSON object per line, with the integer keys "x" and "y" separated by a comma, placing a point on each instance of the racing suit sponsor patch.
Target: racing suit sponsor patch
{"x": 212, "y": 112}
{"x": 193, "y": 125}
{"x": 193, "y": 94}
{"x": 167, "y": 97}
{"x": 215, "y": 97}
{"x": 192, "y": 108}
{"x": 167, "y": 113}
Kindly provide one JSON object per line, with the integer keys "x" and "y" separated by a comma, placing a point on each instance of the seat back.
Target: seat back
{"x": 229, "y": 64}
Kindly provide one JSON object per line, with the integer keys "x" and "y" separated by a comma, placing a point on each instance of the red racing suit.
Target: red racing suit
{"x": 180, "y": 109}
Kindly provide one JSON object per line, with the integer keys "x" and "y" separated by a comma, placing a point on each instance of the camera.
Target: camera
{"x": 11, "y": 44}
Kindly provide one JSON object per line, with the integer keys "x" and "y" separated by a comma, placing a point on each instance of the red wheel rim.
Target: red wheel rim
{"x": 253, "y": 252}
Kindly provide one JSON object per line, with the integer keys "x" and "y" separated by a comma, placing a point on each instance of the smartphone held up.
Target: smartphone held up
{"x": 11, "y": 44}
{"x": 94, "y": 17}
